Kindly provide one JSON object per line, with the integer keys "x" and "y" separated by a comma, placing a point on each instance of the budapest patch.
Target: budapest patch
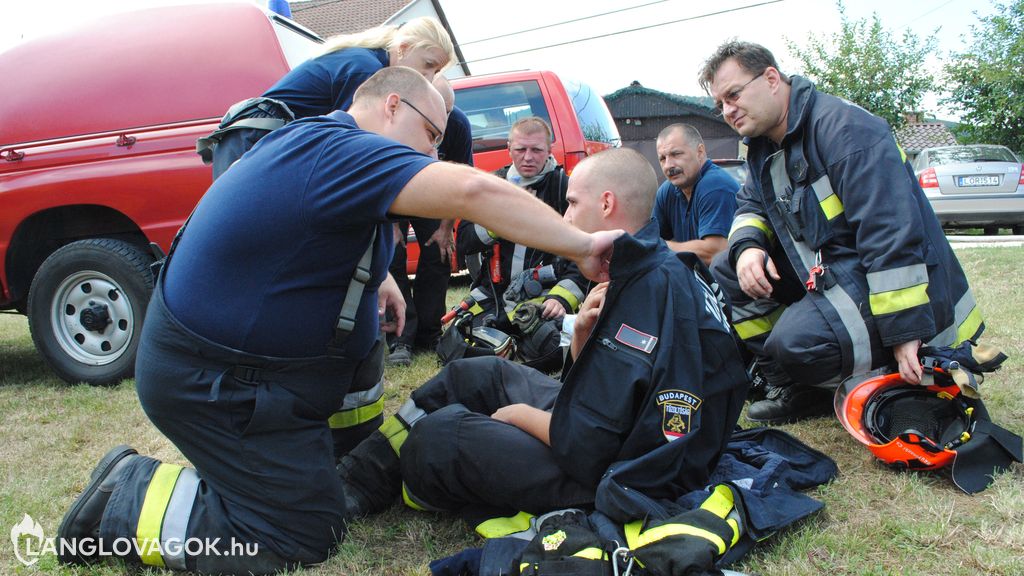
{"x": 677, "y": 410}
{"x": 636, "y": 339}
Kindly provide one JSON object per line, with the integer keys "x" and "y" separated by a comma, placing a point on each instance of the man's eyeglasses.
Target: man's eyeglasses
{"x": 734, "y": 95}
{"x": 440, "y": 133}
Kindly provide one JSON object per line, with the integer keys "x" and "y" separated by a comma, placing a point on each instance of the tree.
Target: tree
{"x": 867, "y": 65}
{"x": 986, "y": 82}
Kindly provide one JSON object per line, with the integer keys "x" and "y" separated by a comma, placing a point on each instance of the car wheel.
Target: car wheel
{"x": 1018, "y": 229}
{"x": 991, "y": 230}
{"x": 85, "y": 309}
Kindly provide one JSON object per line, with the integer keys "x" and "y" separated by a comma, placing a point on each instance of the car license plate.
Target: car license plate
{"x": 968, "y": 181}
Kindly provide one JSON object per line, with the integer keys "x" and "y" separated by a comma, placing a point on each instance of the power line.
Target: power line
{"x": 561, "y": 23}
{"x": 567, "y": 42}
{"x": 936, "y": 9}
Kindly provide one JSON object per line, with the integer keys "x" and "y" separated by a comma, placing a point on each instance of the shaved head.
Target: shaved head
{"x": 612, "y": 189}
{"x": 442, "y": 85}
{"x": 627, "y": 174}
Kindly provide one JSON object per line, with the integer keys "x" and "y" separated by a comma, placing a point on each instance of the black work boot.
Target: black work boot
{"x": 783, "y": 404}
{"x": 82, "y": 521}
{"x": 372, "y": 476}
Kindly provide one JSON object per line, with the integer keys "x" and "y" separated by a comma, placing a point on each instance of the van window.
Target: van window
{"x": 298, "y": 44}
{"x": 595, "y": 120}
{"x": 493, "y": 109}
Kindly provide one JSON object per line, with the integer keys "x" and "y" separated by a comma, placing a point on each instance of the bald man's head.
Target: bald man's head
{"x": 612, "y": 189}
{"x": 400, "y": 104}
{"x": 444, "y": 87}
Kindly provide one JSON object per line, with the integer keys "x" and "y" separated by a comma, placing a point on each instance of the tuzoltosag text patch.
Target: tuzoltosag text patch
{"x": 677, "y": 408}
{"x": 636, "y": 339}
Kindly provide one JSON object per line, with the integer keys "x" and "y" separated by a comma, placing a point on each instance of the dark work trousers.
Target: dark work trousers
{"x": 255, "y": 429}
{"x": 235, "y": 143}
{"x": 800, "y": 347}
{"x": 459, "y": 459}
{"x": 424, "y": 295}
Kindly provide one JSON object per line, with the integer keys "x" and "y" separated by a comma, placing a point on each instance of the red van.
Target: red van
{"x": 98, "y": 129}
{"x": 580, "y": 122}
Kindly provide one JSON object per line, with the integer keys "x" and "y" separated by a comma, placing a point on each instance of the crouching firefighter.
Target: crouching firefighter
{"x": 240, "y": 363}
{"x": 661, "y": 386}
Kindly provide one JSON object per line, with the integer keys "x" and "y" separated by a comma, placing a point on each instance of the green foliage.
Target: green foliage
{"x": 866, "y": 64}
{"x": 986, "y": 82}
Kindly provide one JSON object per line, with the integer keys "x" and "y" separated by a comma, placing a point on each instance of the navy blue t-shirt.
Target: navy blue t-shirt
{"x": 264, "y": 263}
{"x": 458, "y": 139}
{"x": 326, "y": 83}
{"x": 708, "y": 213}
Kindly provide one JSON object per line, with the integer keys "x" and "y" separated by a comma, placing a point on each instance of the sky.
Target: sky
{"x": 664, "y": 57}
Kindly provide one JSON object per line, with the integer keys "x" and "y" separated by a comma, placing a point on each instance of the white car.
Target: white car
{"x": 973, "y": 186}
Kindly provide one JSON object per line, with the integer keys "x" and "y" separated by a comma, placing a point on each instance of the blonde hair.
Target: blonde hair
{"x": 422, "y": 32}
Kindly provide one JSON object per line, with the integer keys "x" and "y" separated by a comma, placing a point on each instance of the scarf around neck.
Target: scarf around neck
{"x": 514, "y": 177}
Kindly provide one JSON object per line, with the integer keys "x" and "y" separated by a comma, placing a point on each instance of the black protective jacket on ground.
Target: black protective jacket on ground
{"x": 472, "y": 240}
{"x": 659, "y": 384}
{"x": 841, "y": 187}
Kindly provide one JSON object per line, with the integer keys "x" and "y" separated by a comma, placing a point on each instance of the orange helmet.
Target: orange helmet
{"x": 926, "y": 427}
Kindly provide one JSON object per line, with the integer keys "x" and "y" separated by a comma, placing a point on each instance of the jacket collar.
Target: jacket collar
{"x": 801, "y": 97}
{"x": 635, "y": 254}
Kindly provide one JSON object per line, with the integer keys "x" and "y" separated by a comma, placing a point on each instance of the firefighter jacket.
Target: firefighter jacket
{"x": 840, "y": 189}
{"x": 659, "y": 384}
{"x": 476, "y": 241}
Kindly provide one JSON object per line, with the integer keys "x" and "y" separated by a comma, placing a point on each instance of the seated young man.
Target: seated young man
{"x": 657, "y": 383}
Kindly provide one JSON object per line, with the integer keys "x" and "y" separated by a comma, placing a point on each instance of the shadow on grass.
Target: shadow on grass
{"x": 22, "y": 366}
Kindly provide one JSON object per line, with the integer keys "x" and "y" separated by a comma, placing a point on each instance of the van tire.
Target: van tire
{"x": 85, "y": 309}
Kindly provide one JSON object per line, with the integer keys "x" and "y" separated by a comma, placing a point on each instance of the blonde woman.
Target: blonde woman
{"x": 326, "y": 83}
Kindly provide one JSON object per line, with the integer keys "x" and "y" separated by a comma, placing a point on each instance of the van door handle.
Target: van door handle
{"x": 13, "y": 155}
{"x": 125, "y": 140}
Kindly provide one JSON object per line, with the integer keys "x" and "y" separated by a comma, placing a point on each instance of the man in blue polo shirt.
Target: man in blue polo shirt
{"x": 266, "y": 316}
{"x": 695, "y": 206}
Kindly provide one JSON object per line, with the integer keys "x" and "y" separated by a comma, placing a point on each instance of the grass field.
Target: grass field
{"x": 875, "y": 521}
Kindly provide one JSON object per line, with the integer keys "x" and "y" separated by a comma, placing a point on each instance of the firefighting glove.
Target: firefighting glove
{"x": 565, "y": 545}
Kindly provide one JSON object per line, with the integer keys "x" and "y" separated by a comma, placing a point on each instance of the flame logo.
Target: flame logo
{"x": 27, "y": 529}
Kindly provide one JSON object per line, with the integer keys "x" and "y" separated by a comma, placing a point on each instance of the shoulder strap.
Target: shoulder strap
{"x": 204, "y": 145}
{"x": 350, "y": 306}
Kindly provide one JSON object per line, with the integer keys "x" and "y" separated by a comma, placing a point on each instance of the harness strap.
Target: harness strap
{"x": 350, "y": 306}
{"x": 279, "y": 115}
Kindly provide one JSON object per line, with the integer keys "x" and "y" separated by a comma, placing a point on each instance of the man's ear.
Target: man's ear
{"x": 608, "y": 203}
{"x": 391, "y": 104}
{"x": 771, "y": 74}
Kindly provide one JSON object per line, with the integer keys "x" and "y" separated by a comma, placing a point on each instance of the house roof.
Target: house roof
{"x": 636, "y": 101}
{"x": 331, "y": 17}
{"x": 917, "y": 136}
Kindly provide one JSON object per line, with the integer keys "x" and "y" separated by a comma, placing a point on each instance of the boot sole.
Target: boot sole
{"x": 99, "y": 474}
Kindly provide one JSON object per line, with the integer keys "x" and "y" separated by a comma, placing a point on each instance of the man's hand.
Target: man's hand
{"x": 910, "y": 365}
{"x": 594, "y": 265}
{"x": 552, "y": 309}
{"x": 389, "y": 299}
{"x": 533, "y": 421}
{"x": 444, "y": 240}
{"x": 590, "y": 310}
{"x": 750, "y": 270}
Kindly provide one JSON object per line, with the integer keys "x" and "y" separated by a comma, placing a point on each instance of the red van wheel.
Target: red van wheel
{"x": 86, "y": 307}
